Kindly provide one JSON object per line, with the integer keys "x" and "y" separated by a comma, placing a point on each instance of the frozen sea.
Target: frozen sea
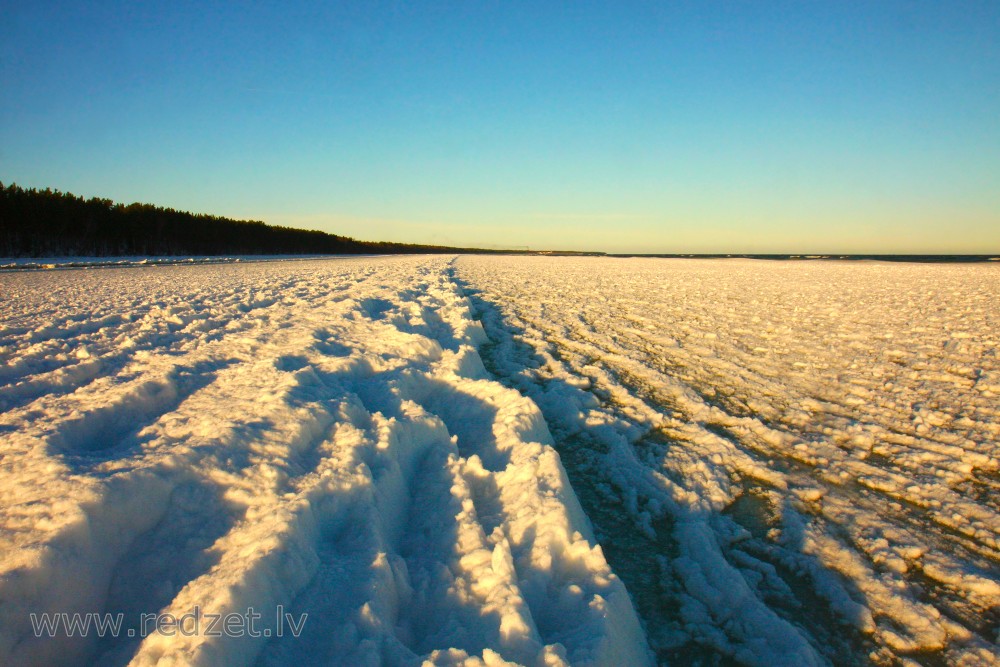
{"x": 483, "y": 460}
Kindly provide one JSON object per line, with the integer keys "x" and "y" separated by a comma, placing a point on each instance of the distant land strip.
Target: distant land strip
{"x": 50, "y": 223}
{"x": 778, "y": 256}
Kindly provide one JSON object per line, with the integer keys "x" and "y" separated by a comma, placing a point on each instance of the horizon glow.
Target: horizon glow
{"x": 812, "y": 128}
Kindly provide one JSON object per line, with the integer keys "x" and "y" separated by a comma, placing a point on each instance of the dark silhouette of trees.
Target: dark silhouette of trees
{"x": 50, "y": 223}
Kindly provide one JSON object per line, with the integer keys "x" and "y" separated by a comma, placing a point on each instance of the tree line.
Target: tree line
{"x": 50, "y": 223}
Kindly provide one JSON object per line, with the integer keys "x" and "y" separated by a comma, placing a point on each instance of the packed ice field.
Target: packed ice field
{"x": 486, "y": 460}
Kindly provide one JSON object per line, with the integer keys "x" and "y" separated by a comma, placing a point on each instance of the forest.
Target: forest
{"x": 51, "y": 223}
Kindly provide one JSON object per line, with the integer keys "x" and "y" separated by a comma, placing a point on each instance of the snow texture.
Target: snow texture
{"x": 466, "y": 461}
{"x": 807, "y": 452}
{"x": 317, "y": 435}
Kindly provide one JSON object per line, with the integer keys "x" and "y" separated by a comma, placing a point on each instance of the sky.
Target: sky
{"x": 660, "y": 127}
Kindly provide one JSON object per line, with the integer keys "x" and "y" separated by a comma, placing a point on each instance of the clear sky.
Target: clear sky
{"x": 738, "y": 126}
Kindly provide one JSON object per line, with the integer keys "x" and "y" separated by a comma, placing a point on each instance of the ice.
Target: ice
{"x": 504, "y": 460}
{"x": 321, "y": 436}
{"x": 806, "y": 451}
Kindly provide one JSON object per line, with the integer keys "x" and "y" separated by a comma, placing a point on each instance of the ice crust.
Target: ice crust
{"x": 317, "y": 435}
{"x": 807, "y": 451}
{"x": 466, "y": 461}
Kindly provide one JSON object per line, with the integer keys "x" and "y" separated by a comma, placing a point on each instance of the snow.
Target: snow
{"x": 504, "y": 460}
{"x": 317, "y": 435}
{"x": 807, "y": 452}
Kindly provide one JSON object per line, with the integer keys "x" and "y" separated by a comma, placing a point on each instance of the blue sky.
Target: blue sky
{"x": 622, "y": 126}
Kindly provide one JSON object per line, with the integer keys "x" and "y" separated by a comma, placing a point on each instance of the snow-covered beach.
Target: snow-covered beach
{"x": 475, "y": 460}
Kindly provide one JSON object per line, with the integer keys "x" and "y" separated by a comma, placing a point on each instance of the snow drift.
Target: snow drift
{"x": 467, "y": 461}
{"x": 321, "y": 436}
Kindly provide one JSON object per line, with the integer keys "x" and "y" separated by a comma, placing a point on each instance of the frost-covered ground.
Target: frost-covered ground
{"x": 784, "y": 463}
{"x": 317, "y": 435}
